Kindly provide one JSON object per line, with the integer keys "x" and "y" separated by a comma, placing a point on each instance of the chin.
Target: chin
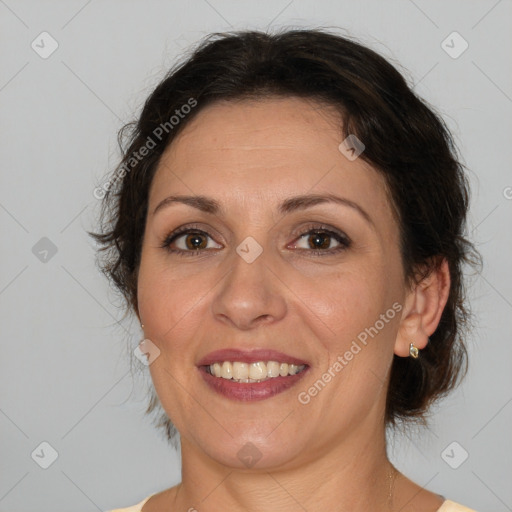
{"x": 252, "y": 457}
{"x": 252, "y": 451}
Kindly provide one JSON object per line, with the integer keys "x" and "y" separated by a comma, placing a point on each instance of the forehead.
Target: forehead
{"x": 265, "y": 125}
{"x": 255, "y": 150}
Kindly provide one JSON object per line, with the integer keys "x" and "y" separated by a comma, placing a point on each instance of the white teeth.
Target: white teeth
{"x": 293, "y": 369}
{"x": 240, "y": 371}
{"x": 257, "y": 370}
{"x": 216, "y": 369}
{"x": 272, "y": 369}
{"x": 253, "y": 372}
{"x": 227, "y": 370}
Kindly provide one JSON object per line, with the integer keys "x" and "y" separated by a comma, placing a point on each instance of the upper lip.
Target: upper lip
{"x": 248, "y": 356}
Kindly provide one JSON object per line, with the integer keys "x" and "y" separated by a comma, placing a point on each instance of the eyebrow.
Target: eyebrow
{"x": 292, "y": 204}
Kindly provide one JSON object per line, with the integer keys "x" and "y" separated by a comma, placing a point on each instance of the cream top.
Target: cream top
{"x": 447, "y": 506}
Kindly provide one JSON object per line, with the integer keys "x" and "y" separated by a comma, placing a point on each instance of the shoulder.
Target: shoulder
{"x": 134, "y": 508}
{"x": 451, "y": 506}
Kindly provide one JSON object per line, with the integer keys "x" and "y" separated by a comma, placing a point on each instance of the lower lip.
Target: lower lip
{"x": 250, "y": 391}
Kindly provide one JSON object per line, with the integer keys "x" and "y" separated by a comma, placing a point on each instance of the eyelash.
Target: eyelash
{"x": 340, "y": 237}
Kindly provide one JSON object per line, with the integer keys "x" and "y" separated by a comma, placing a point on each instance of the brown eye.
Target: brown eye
{"x": 195, "y": 241}
{"x": 319, "y": 241}
{"x": 187, "y": 242}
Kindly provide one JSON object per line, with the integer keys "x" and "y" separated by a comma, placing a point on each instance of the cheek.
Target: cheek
{"x": 171, "y": 300}
{"x": 353, "y": 300}
{"x": 359, "y": 311}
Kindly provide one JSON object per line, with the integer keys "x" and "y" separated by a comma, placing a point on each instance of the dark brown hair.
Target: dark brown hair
{"x": 404, "y": 140}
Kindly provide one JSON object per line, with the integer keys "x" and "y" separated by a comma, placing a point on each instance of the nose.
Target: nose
{"x": 250, "y": 294}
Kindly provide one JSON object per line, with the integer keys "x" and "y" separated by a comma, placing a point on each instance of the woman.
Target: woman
{"x": 287, "y": 223}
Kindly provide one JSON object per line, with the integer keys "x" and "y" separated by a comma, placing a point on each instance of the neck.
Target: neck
{"x": 353, "y": 475}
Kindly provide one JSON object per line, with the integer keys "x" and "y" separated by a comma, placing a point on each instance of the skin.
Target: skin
{"x": 331, "y": 453}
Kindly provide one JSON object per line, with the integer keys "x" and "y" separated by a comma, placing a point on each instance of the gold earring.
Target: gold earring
{"x": 413, "y": 351}
{"x": 142, "y": 326}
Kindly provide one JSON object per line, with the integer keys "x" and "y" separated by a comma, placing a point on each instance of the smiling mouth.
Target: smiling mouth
{"x": 259, "y": 371}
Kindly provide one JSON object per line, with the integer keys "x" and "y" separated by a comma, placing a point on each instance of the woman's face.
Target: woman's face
{"x": 319, "y": 282}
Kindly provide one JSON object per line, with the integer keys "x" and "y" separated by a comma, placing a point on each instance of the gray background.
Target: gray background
{"x": 64, "y": 374}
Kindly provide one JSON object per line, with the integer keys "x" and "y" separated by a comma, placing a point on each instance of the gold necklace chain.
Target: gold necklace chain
{"x": 391, "y": 476}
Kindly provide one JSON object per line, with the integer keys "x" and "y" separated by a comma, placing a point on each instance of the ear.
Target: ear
{"x": 424, "y": 305}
